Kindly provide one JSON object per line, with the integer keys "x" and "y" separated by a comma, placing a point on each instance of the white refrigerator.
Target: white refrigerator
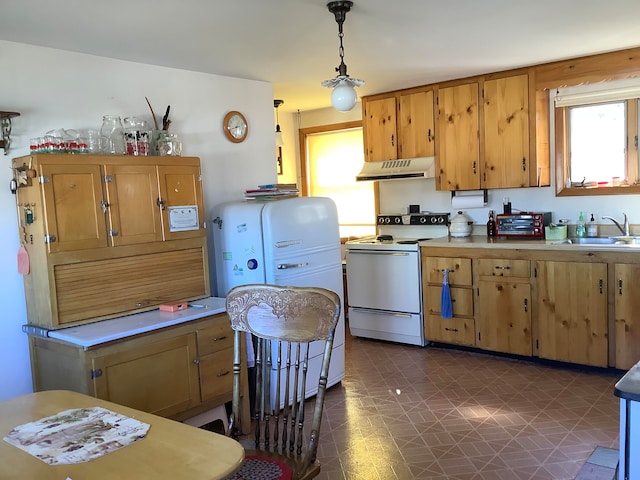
{"x": 292, "y": 242}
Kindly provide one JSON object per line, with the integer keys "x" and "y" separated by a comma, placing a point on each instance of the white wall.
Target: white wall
{"x": 57, "y": 89}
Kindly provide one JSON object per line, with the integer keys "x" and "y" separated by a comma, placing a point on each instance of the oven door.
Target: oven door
{"x": 384, "y": 280}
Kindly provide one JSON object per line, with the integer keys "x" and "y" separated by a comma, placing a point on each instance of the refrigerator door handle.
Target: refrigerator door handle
{"x": 285, "y": 266}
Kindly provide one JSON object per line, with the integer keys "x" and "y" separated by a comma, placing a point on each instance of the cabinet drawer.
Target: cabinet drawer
{"x": 215, "y": 338}
{"x": 216, "y": 374}
{"x": 504, "y": 268}
{"x": 450, "y": 330}
{"x": 459, "y": 270}
{"x": 461, "y": 300}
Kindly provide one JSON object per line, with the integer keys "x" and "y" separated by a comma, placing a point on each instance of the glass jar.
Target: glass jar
{"x": 137, "y": 135}
{"x": 112, "y": 135}
{"x": 169, "y": 144}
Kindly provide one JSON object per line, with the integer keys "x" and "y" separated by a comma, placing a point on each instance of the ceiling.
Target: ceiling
{"x": 294, "y": 43}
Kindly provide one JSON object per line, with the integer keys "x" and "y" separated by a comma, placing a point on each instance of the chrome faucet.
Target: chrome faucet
{"x": 623, "y": 229}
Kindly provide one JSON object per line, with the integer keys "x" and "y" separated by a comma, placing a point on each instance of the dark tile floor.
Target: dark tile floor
{"x": 405, "y": 412}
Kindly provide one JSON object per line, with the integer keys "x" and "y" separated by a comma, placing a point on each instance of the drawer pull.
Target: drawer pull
{"x": 222, "y": 374}
{"x": 450, "y": 329}
{"x": 215, "y": 339}
{"x": 505, "y": 267}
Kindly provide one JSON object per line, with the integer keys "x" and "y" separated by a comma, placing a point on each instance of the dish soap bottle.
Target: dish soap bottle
{"x": 581, "y": 227}
{"x": 592, "y": 227}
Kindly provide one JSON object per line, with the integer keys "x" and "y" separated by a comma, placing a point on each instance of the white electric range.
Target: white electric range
{"x": 384, "y": 278}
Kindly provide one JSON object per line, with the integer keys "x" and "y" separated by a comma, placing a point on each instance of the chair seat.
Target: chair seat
{"x": 266, "y": 465}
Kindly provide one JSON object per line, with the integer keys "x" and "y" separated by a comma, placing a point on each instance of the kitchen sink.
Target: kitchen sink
{"x": 613, "y": 241}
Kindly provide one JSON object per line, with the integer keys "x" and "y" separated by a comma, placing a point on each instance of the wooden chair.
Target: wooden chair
{"x": 283, "y": 321}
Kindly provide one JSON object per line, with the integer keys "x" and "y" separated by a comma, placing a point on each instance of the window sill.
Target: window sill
{"x": 588, "y": 191}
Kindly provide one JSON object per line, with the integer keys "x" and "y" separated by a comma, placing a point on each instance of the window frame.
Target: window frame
{"x": 302, "y": 146}
{"x": 561, "y": 127}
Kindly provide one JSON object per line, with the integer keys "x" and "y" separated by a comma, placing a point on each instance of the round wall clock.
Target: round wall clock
{"x": 235, "y": 126}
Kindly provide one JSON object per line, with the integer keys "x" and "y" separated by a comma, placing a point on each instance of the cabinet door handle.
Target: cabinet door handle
{"x": 222, "y": 374}
{"x": 620, "y": 286}
{"x": 474, "y": 166}
{"x": 524, "y": 164}
{"x": 601, "y": 284}
{"x": 393, "y": 140}
{"x": 526, "y": 304}
{"x": 429, "y": 136}
{"x": 196, "y": 361}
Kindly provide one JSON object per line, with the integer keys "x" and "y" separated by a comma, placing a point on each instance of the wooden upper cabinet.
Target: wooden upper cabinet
{"x": 506, "y": 132}
{"x": 380, "y": 129}
{"x": 181, "y": 201}
{"x": 132, "y": 196}
{"x": 72, "y": 206}
{"x": 458, "y": 160}
{"x": 416, "y": 125}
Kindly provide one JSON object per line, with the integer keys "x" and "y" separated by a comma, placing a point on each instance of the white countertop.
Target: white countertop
{"x": 483, "y": 242}
{"x": 113, "y": 329}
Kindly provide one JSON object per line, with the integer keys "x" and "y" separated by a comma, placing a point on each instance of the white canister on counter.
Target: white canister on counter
{"x": 460, "y": 226}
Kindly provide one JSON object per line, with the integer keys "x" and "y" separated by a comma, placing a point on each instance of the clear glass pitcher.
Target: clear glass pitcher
{"x": 112, "y": 135}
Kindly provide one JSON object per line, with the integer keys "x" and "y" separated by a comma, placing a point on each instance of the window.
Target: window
{"x": 596, "y": 140}
{"x": 332, "y": 158}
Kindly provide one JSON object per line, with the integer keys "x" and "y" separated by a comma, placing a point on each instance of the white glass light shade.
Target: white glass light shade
{"x": 279, "y": 139}
{"x": 343, "y": 97}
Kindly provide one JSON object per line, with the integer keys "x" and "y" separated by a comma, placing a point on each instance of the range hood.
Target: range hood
{"x": 422, "y": 167}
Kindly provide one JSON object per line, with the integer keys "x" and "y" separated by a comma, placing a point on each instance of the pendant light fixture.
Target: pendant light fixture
{"x": 279, "y": 139}
{"x": 343, "y": 97}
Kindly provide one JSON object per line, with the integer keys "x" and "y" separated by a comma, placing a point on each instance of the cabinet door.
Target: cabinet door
{"x": 132, "y": 194}
{"x": 458, "y": 160}
{"x": 416, "y": 125}
{"x": 159, "y": 377}
{"x": 460, "y": 331}
{"x": 506, "y": 132}
{"x": 572, "y": 317}
{"x": 72, "y": 196}
{"x": 461, "y": 300}
{"x": 181, "y": 201}
{"x": 505, "y": 316}
{"x": 627, "y": 323}
{"x": 380, "y": 130}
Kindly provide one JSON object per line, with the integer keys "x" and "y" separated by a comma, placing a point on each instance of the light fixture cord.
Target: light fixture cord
{"x": 342, "y": 68}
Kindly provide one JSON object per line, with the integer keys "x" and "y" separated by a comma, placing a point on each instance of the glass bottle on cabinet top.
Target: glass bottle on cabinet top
{"x": 112, "y": 136}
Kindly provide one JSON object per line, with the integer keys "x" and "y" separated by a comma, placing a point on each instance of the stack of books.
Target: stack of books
{"x": 273, "y": 190}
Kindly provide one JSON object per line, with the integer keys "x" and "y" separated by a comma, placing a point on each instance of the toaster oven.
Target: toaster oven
{"x": 522, "y": 225}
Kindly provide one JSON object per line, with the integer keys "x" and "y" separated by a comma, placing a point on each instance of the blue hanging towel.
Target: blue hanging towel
{"x": 445, "y": 301}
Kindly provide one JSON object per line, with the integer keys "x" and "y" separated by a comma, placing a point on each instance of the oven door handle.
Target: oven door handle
{"x": 377, "y": 252}
{"x": 382, "y": 312}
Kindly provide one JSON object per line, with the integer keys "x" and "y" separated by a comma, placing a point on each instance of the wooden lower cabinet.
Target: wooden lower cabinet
{"x": 572, "y": 312}
{"x": 504, "y": 306}
{"x": 627, "y": 319}
{"x": 461, "y": 328}
{"x": 174, "y": 372}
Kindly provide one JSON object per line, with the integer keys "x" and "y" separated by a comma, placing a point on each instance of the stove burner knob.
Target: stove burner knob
{"x": 423, "y": 219}
{"x": 440, "y": 219}
{"x": 387, "y": 220}
{"x": 434, "y": 219}
{"x": 380, "y": 220}
{"x": 397, "y": 220}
